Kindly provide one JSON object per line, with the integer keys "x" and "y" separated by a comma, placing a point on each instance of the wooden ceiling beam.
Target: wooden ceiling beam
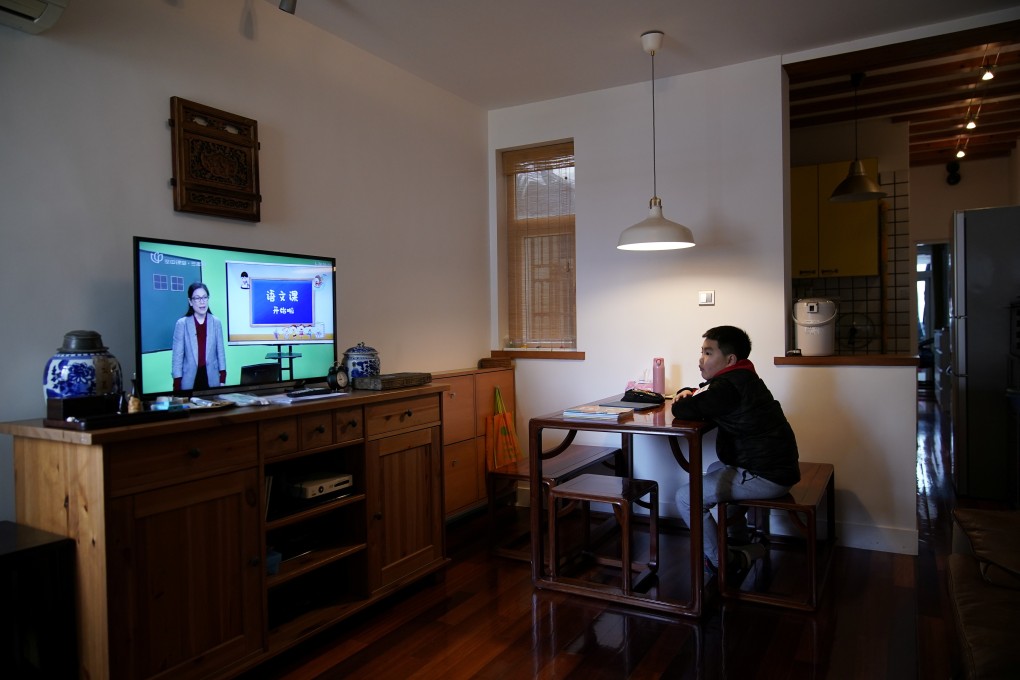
{"x": 919, "y": 97}
{"x": 954, "y": 140}
{"x": 905, "y": 109}
{"x": 961, "y": 72}
{"x": 983, "y": 130}
{"x": 943, "y": 156}
{"x": 1003, "y": 109}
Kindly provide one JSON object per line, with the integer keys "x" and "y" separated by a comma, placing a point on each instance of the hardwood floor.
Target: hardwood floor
{"x": 882, "y": 616}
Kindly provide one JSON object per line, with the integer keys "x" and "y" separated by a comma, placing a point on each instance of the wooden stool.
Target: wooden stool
{"x": 621, "y": 493}
{"x": 573, "y": 461}
{"x": 817, "y": 483}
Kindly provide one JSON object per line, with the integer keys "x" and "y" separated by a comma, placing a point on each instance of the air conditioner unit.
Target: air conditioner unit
{"x": 31, "y": 16}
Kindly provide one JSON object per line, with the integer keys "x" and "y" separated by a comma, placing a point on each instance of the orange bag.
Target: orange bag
{"x": 501, "y": 441}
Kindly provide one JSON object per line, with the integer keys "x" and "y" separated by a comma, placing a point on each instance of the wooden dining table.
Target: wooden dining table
{"x": 656, "y": 421}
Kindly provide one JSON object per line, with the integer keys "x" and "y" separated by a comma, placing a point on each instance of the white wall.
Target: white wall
{"x": 983, "y": 184}
{"x": 721, "y": 154}
{"x": 358, "y": 160}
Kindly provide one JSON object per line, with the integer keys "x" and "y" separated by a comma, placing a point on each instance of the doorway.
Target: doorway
{"x": 933, "y": 286}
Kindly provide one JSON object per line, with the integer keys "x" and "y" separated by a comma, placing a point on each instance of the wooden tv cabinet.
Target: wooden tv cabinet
{"x": 173, "y": 521}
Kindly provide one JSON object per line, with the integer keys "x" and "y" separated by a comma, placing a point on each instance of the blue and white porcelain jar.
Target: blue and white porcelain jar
{"x": 82, "y": 367}
{"x": 361, "y": 362}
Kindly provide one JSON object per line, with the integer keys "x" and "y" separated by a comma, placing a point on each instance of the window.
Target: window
{"x": 541, "y": 290}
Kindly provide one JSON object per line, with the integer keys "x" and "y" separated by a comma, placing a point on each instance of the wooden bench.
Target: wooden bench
{"x": 621, "y": 493}
{"x": 817, "y": 484}
{"x": 575, "y": 459}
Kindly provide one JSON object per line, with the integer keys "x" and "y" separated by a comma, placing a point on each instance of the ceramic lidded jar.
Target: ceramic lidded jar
{"x": 82, "y": 367}
{"x": 361, "y": 361}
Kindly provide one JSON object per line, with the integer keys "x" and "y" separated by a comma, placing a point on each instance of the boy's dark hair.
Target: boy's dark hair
{"x": 731, "y": 340}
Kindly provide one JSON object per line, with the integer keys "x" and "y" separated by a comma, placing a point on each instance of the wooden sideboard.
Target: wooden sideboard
{"x": 173, "y": 521}
{"x": 466, "y": 407}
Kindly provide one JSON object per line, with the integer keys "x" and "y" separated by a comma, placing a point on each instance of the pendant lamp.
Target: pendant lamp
{"x": 655, "y": 232}
{"x": 857, "y": 186}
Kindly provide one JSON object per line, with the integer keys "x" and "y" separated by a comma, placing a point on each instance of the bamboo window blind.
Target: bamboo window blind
{"x": 540, "y": 247}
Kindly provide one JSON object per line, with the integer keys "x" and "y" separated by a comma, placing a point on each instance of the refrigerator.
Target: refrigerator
{"x": 985, "y": 266}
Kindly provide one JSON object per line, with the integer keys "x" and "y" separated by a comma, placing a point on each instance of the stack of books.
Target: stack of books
{"x": 593, "y": 412}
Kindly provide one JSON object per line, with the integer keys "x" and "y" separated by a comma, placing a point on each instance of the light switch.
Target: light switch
{"x": 706, "y": 297}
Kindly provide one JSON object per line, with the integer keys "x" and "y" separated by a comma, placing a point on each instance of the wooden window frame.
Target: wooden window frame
{"x": 539, "y": 253}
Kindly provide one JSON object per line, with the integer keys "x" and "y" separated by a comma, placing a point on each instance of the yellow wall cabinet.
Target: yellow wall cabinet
{"x": 831, "y": 239}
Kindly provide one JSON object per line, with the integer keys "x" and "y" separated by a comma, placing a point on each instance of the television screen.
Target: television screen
{"x": 274, "y": 317}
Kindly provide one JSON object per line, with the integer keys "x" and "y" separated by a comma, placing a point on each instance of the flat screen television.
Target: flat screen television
{"x": 277, "y": 312}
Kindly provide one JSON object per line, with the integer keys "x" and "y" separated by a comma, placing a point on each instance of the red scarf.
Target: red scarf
{"x": 200, "y": 336}
{"x": 741, "y": 365}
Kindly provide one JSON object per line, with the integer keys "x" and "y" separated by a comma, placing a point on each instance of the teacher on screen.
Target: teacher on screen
{"x": 199, "y": 361}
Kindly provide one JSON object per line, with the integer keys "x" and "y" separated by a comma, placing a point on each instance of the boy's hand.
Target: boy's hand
{"x": 682, "y": 394}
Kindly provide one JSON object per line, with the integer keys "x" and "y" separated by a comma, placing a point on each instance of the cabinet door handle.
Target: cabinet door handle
{"x": 283, "y": 436}
{"x": 351, "y": 424}
{"x": 321, "y": 429}
{"x": 254, "y": 561}
{"x": 377, "y": 515}
{"x": 194, "y": 453}
{"x": 408, "y": 413}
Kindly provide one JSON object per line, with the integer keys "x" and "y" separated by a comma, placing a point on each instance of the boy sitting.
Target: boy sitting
{"x": 756, "y": 446}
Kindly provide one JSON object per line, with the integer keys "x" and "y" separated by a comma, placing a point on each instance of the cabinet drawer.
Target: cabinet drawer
{"x": 459, "y": 409}
{"x": 162, "y": 461}
{"x": 278, "y": 437}
{"x": 401, "y": 415}
{"x": 316, "y": 429}
{"x": 350, "y": 425}
{"x": 460, "y": 475}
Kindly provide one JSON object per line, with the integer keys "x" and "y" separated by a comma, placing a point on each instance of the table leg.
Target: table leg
{"x": 692, "y": 464}
{"x": 697, "y": 540}
{"x": 535, "y": 461}
{"x": 627, "y": 449}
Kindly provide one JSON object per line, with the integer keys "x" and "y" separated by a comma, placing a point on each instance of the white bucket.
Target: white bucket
{"x": 816, "y": 326}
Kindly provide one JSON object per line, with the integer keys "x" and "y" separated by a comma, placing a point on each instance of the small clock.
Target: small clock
{"x": 337, "y": 377}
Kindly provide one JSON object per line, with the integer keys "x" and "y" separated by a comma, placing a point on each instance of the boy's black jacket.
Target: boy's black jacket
{"x": 753, "y": 431}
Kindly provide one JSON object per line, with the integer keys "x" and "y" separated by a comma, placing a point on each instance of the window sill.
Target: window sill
{"x": 560, "y": 354}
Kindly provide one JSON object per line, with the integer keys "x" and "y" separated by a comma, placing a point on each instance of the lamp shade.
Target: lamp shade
{"x": 655, "y": 232}
{"x": 856, "y": 187}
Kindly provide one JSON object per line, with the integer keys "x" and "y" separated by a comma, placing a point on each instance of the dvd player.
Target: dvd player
{"x": 313, "y": 487}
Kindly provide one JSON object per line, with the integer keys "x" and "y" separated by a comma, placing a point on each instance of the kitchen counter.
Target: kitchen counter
{"x": 850, "y": 360}
{"x": 859, "y": 412}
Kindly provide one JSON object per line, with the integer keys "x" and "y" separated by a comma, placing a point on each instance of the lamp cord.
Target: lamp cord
{"x": 655, "y": 186}
{"x": 855, "y": 80}
{"x": 856, "y": 154}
